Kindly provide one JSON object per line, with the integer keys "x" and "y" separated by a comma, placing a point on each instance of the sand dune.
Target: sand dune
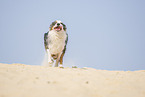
{"x": 19, "y": 80}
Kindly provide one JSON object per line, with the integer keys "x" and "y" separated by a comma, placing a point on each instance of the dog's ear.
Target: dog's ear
{"x": 64, "y": 26}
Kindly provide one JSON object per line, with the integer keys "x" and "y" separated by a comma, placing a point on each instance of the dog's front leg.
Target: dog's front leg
{"x": 50, "y": 61}
{"x": 57, "y": 60}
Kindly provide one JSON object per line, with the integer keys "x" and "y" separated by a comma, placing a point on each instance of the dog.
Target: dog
{"x": 55, "y": 41}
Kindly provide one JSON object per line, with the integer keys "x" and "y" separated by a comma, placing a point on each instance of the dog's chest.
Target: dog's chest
{"x": 57, "y": 42}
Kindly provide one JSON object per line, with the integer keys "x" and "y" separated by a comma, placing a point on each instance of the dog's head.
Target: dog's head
{"x": 57, "y": 26}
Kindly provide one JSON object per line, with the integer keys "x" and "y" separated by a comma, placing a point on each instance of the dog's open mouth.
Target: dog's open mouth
{"x": 58, "y": 28}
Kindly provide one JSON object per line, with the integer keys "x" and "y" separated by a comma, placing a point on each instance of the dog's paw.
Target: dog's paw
{"x": 60, "y": 66}
{"x": 50, "y": 62}
{"x": 50, "y": 65}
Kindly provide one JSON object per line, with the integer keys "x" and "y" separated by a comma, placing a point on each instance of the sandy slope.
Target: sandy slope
{"x": 18, "y": 80}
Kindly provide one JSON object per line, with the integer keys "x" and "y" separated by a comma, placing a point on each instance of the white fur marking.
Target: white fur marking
{"x": 57, "y": 41}
{"x": 58, "y": 21}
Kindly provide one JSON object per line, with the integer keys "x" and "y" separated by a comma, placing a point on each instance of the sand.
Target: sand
{"x": 19, "y": 80}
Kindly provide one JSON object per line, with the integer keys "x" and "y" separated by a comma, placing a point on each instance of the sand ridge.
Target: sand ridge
{"x": 20, "y": 80}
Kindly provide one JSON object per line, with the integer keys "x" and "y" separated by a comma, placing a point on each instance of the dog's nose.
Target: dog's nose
{"x": 58, "y": 24}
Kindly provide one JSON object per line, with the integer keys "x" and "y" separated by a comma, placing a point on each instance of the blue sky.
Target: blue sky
{"x": 103, "y": 34}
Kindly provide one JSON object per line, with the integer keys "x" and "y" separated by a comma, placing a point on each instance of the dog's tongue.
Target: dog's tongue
{"x": 57, "y": 28}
